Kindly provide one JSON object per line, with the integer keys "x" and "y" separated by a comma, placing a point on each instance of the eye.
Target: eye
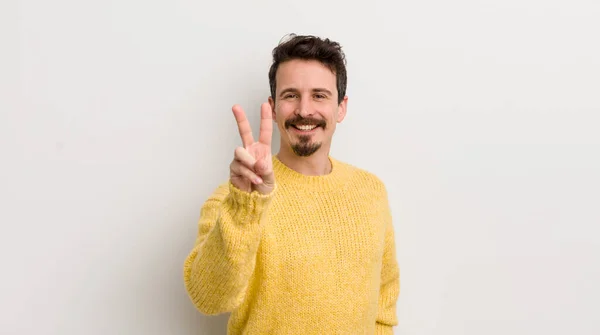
{"x": 290, "y": 96}
{"x": 320, "y": 96}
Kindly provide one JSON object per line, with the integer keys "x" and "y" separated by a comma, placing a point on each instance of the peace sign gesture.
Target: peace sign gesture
{"x": 252, "y": 168}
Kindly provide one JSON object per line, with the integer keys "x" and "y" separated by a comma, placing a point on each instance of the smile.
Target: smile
{"x": 304, "y": 127}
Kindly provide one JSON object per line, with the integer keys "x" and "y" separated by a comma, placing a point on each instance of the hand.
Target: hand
{"x": 252, "y": 168}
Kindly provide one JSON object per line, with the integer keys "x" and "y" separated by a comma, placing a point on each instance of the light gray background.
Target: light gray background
{"x": 482, "y": 118}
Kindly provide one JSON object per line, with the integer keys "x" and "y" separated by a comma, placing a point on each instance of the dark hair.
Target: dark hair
{"x": 328, "y": 52}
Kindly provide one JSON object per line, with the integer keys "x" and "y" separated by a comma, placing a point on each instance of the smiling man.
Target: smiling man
{"x": 298, "y": 242}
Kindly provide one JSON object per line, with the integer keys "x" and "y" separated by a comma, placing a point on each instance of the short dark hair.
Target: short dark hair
{"x": 308, "y": 47}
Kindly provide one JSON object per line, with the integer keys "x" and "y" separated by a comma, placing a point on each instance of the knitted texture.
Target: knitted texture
{"x": 315, "y": 256}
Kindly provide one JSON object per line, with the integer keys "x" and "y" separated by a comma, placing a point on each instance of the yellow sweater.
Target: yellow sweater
{"x": 315, "y": 256}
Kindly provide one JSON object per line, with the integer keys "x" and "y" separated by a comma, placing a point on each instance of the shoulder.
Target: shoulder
{"x": 361, "y": 176}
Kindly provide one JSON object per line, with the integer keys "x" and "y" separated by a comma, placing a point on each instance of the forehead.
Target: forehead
{"x": 305, "y": 74}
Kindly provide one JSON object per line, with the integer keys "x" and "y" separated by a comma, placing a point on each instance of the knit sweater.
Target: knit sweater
{"x": 315, "y": 256}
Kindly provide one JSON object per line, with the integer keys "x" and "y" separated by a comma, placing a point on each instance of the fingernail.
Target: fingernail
{"x": 258, "y": 180}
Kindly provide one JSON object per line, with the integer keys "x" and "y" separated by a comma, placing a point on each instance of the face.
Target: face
{"x": 306, "y": 107}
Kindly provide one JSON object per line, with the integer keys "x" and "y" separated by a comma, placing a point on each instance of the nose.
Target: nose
{"x": 305, "y": 107}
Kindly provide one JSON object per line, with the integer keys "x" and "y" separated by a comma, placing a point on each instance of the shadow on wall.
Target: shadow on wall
{"x": 213, "y": 325}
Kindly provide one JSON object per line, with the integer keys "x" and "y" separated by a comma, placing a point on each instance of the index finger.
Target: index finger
{"x": 243, "y": 125}
{"x": 266, "y": 124}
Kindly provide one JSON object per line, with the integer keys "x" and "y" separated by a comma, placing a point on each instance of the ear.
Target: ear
{"x": 272, "y": 103}
{"x": 342, "y": 108}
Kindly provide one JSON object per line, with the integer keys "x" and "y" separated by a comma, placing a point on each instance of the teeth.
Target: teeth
{"x": 306, "y": 127}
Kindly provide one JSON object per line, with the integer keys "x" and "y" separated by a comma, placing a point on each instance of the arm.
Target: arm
{"x": 390, "y": 282}
{"x": 217, "y": 270}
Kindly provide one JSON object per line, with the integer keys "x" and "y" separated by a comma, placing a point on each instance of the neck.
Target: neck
{"x": 317, "y": 164}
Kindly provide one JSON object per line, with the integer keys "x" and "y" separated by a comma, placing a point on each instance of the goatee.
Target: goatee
{"x": 305, "y": 148}
{"x": 303, "y": 121}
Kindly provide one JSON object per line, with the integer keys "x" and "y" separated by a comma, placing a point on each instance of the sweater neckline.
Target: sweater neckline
{"x": 285, "y": 174}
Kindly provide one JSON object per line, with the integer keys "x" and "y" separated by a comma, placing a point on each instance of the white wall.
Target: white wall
{"x": 481, "y": 116}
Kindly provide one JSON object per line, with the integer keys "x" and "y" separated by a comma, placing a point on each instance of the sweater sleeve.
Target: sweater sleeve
{"x": 390, "y": 280}
{"x": 218, "y": 268}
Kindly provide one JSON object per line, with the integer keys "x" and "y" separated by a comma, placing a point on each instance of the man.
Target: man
{"x": 299, "y": 242}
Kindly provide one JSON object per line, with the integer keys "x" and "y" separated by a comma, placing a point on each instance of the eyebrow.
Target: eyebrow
{"x": 293, "y": 90}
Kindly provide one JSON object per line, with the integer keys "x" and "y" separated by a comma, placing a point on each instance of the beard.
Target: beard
{"x": 305, "y": 147}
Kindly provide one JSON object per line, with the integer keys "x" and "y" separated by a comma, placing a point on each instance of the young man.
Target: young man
{"x": 299, "y": 242}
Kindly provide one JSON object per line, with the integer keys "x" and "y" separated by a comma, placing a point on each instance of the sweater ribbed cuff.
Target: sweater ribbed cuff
{"x": 383, "y": 329}
{"x": 249, "y": 206}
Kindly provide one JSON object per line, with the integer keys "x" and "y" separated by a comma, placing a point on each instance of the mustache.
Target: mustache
{"x": 304, "y": 121}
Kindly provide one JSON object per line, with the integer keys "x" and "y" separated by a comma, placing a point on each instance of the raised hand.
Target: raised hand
{"x": 252, "y": 168}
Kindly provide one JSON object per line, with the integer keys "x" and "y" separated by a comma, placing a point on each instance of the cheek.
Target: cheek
{"x": 280, "y": 118}
{"x": 283, "y": 112}
{"x": 332, "y": 114}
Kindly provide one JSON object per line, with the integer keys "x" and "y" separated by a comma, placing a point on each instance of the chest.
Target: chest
{"x": 325, "y": 231}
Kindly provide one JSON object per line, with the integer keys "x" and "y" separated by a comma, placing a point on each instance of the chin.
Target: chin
{"x": 305, "y": 149}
